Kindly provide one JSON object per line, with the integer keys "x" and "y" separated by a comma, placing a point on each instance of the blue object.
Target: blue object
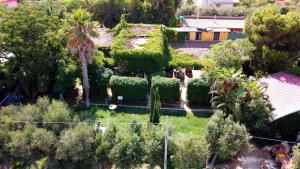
{"x": 8, "y": 99}
{"x": 181, "y": 18}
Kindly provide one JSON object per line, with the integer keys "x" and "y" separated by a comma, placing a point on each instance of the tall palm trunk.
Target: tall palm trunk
{"x": 86, "y": 84}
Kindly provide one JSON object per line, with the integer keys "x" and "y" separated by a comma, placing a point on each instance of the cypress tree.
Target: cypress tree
{"x": 154, "y": 106}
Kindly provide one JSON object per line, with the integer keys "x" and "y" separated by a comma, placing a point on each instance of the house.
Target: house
{"x": 215, "y": 3}
{"x": 210, "y": 28}
{"x": 9, "y": 3}
{"x": 283, "y": 91}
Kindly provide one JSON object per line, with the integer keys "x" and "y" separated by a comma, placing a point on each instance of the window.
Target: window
{"x": 216, "y": 36}
{"x": 198, "y": 35}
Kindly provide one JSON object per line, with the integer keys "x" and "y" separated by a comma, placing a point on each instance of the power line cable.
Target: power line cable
{"x": 108, "y": 122}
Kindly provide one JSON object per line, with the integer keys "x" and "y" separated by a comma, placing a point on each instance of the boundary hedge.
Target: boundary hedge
{"x": 131, "y": 88}
{"x": 169, "y": 89}
{"x": 198, "y": 92}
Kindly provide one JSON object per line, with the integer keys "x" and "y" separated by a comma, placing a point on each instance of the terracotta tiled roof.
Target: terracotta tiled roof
{"x": 283, "y": 90}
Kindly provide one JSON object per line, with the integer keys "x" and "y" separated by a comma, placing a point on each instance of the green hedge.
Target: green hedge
{"x": 149, "y": 59}
{"x": 171, "y": 34}
{"x": 169, "y": 89}
{"x": 198, "y": 92}
{"x": 131, "y": 88}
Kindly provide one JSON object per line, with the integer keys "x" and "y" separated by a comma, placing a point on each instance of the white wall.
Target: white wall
{"x": 205, "y": 3}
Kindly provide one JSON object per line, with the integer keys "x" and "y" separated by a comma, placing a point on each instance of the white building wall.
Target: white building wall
{"x": 205, "y": 3}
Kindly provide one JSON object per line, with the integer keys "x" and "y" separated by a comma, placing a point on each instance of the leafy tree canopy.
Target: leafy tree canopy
{"x": 275, "y": 36}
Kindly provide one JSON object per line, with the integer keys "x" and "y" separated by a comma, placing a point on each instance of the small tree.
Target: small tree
{"x": 191, "y": 154}
{"x": 75, "y": 147}
{"x": 154, "y": 106}
{"x": 129, "y": 151}
{"x": 225, "y": 137}
{"x": 123, "y": 24}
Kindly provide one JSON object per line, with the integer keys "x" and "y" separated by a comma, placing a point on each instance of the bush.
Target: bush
{"x": 221, "y": 143}
{"x": 171, "y": 34}
{"x": 99, "y": 77}
{"x": 255, "y": 114}
{"x": 168, "y": 88}
{"x": 181, "y": 37}
{"x": 191, "y": 154}
{"x": 131, "y": 88}
{"x": 198, "y": 92}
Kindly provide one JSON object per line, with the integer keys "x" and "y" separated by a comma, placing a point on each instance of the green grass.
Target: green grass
{"x": 185, "y": 125}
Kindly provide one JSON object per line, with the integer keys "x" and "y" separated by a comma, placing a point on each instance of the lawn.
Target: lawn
{"x": 185, "y": 125}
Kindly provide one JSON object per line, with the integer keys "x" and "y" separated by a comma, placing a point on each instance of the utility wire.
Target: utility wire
{"x": 108, "y": 122}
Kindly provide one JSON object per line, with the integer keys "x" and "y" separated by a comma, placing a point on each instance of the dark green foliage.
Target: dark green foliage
{"x": 236, "y": 35}
{"x": 131, "y": 88}
{"x": 181, "y": 37}
{"x": 98, "y": 76}
{"x": 222, "y": 144}
{"x": 154, "y": 145}
{"x": 191, "y": 154}
{"x": 76, "y": 145}
{"x": 152, "y": 12}
{"x": 171, "y": 34}
{"x": 294, "y": 70}
{"x": 107, "y": 12}
{"x": 149, "y": 59}
{"x": 154, "y": 106}
{"x": 168, "y": 88}
{"x": 129, "y": 152}
{"x": 198, "y": 92}
{"x": 104, "y": 144}
{"x": 32, "y": 36}
{"x": 183, "y": 60}
{"x": 276, "y": 37}
{"x": 255, "y": 114}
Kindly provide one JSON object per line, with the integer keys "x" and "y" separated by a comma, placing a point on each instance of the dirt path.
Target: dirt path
{"x": 252, "y": 160}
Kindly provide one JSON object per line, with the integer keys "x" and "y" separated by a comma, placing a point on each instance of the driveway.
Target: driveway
{"x": 196, "y": 48}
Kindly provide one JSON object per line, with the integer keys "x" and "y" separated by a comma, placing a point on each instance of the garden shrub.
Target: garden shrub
{"x": 294, "y": 70}
{"x": 131, "y": 88}
{"x": 148, "y": 59}
{"x": 171, "y": 34}
{"x": 169, "y": 90}
{"x": 191, "y": 154}
{"x": 98, "y": 77}
{"x": 255, "y": 114}
{"x": 198, "y": 91}
{"x": 181, "y": 37}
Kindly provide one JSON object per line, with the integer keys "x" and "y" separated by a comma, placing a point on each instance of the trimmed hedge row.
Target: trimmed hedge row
{"x": 198, "y": 92}
{"x": 150, "y": 59}
{"x": 131, "y": 88}
{"x": 169, "y": 89}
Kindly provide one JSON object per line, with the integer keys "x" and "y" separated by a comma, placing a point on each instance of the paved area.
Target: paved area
{"x": 196, "y": 48}
{"x": 104, "y": 39}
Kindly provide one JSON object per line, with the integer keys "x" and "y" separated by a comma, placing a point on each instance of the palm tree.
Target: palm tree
{"x": 80, "y": 43}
